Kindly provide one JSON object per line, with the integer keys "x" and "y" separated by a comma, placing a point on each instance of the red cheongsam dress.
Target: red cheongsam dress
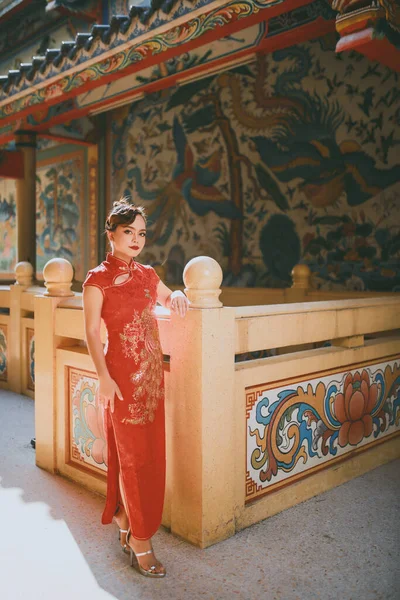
{"x": 136, "y": 428}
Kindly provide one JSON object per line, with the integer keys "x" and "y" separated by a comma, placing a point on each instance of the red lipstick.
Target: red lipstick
{"x": 134, "y": 247}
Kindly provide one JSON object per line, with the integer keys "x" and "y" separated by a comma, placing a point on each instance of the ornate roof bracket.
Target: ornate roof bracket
{"x": 371, "y": 27}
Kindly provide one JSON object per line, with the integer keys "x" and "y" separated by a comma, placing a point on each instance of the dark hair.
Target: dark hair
{"x": 123, "y": 213}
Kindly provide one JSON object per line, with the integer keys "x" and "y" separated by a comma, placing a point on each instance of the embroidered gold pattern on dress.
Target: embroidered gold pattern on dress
{"x": 133, "y": 335}
{"x": 138, "y": 414}
{"x": 148, "y": 379}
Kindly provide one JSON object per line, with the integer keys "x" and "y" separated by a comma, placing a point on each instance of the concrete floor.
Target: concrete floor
{"x": 342, "y": 544}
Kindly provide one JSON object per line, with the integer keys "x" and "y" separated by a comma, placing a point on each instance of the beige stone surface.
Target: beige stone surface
{"x": 58, "y": 274}
{"x": 285, "y": 325}
{"x": 301, "y": 276}
{"x": 201, "y": 389}
{"x": 202, "y": 277}
{"x": 24, "y": 273}
{"x": 5, "y": 296}
{"x": 45, "y": 381}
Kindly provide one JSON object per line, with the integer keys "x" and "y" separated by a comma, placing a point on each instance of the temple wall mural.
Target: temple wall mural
{"x": 60, "y": 202}
{"x": 290, "y": 158}
{"x": 8, "y": 235}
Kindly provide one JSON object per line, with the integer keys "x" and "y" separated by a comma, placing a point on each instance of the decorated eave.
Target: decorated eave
{"x": 371, "y": 27}
{"x": 110, "y": 66}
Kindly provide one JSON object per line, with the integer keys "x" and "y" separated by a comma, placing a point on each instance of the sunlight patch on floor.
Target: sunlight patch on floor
{"x": 44, "y": 563}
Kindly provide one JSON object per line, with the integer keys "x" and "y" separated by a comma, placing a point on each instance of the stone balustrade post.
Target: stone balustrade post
{"x": 200, "y": 412}
{"x": 24, "y": 279}
{"x": 202, "y": 277}
{"x": 301, "y": 276}
{"x": 24, "y": 274}
{"x": 58, "y": 275}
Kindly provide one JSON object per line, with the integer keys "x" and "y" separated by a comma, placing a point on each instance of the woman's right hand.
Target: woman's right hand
{"x": 107, "y": 391}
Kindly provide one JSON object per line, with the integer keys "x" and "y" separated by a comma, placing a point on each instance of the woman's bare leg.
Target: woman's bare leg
{"x": 147, "y": 561}
{"x": 121, "y": 519}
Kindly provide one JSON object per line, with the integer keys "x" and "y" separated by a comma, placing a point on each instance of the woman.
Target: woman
{"x": 131, "y": 384}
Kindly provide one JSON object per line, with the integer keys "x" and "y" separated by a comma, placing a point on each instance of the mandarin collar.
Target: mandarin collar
{"x": 120, "y": 263}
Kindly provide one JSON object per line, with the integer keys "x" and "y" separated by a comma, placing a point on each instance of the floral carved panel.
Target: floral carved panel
{"x": 295, "y": 428}
{"x": 87, "y": 446}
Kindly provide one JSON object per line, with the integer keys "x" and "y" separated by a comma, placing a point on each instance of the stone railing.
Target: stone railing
{"x": 245, "y": 438}
{"x": 17, "y": 341}
{"x": 301, "y": 290}
{"x": 17, "y": 331}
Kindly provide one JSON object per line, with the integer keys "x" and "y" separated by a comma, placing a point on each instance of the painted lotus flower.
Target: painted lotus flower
{"x": 353, "y": 408}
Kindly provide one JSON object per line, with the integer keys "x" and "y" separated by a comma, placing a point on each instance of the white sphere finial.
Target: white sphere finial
{"x": 58, "y": 274}
{"x": 202, "y": 277}
{"x": 24, "y": 273}
{"x": 301, "y": 275}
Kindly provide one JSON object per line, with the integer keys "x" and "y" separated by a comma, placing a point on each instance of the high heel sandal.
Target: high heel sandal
{"x": 120, "y": 532}
{"x": 146, "y": 572}
{"x": 125, "y": 546}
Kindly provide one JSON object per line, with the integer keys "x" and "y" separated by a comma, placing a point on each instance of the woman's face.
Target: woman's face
{"x": 128, "y": 240}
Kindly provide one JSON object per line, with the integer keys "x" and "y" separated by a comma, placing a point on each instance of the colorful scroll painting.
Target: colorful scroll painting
{"x": 295, "y": 428}
{"x": 87, "y": 444}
